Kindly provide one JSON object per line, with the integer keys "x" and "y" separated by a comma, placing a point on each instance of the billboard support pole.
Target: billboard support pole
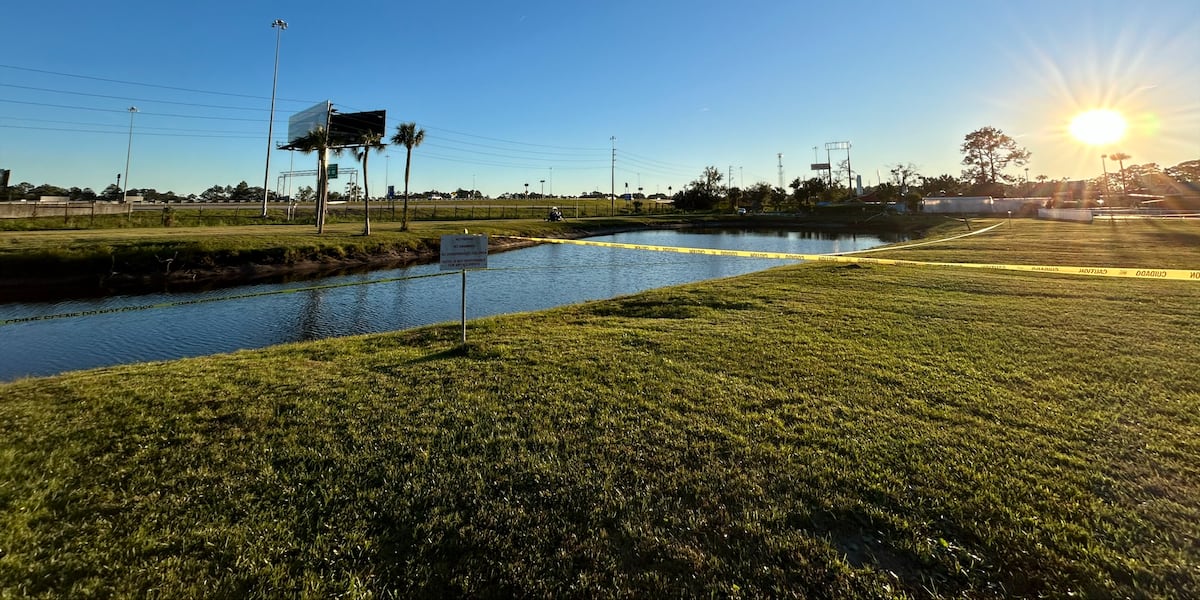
{"x": 464, "y": 307}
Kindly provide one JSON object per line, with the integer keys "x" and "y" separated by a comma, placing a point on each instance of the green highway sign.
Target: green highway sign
{"x": 331, "y": 171}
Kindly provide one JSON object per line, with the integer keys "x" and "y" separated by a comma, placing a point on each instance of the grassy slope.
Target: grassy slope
{"x": 820, "y": 430}
{"x": 140, "y": 250}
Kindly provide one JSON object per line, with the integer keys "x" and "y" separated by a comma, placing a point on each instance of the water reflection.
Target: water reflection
{"x": 208, "y": 322}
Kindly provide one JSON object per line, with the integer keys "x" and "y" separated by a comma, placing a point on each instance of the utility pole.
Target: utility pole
{"x": 780, "y": 155}
{"x": 128, "y": 153}
{"x": 612, "y": 179}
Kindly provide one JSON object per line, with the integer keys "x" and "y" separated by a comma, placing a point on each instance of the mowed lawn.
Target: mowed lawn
{"x": 836, "y": 431}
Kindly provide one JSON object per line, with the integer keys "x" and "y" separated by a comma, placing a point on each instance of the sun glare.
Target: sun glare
{"x": 1098, "y": 127}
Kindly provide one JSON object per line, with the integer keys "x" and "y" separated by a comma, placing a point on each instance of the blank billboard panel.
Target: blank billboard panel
{"x": 348, "y": 129}
{"x": 306, "y": 121}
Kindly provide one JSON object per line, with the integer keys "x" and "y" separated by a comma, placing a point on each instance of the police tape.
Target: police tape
{"x": 1129, "y": 272}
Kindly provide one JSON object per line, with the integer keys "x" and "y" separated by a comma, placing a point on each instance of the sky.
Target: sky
{"x": 523, "y": 91}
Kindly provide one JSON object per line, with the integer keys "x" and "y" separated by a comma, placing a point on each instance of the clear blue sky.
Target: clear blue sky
{"x": 520, "y": 91}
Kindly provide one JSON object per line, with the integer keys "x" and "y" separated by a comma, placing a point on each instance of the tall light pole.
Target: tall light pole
{"x": 128, "y": 152}
{"x": 543, "y": 188}
{"x": 279, "y": 25}
{"x": 1104, "y": 166}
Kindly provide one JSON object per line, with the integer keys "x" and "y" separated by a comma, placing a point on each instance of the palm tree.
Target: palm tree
{"x": 1121, "y": 157}
{"x": 317, "y": 141}
{"x": 410, "y": 137}
{"x": 369, "y": 141}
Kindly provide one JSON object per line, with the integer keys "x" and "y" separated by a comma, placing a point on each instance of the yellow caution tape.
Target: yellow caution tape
{"x": 1137, "y": 273}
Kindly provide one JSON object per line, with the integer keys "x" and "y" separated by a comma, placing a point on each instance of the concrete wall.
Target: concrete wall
{"x": 22, "y": 210}
{"x": 1081, "y": 215}
{"x": 978, "y": 205}
{"x": 957, "y": 204}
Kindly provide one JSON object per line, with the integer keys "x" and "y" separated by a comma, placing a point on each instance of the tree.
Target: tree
{"x": 1185, "y": 171}
{"x": 903, "y": 174}
{"x": 942, "y": 185}
{"x": 83, "y": 195}
{"x": 369, "y": 141}
{"x": 703, "y": 193}
{"x": 987, "y": 152}
{"x": 1121, "y": 157}
{"x": 215, "y": 193}
{"x": 317, "y": 141}
{"x": 410, "y": 137}
{"x": 242, "y": 193}
{"x": 112, "y": 193}
{"x": 812, "y": 190}
{"x": 48, "y": 190}
{"x": 758, "y": 195}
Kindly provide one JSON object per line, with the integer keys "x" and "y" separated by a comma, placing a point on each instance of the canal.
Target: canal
{"x": 46, "y": 339}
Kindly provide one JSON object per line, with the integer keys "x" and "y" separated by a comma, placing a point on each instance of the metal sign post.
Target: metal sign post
{"x": 459, "y": 253}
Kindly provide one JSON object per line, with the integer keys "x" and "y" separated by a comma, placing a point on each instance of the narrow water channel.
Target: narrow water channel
{"x": 126, "y": 329}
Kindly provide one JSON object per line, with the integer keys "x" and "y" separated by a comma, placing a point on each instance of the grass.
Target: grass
{"x": 810, "y": 431}
{"x": 143, "y": 251}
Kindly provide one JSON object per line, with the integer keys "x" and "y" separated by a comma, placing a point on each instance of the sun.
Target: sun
{"x": 1098, "y": 127}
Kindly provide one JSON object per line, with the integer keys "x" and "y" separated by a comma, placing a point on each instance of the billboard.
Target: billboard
{"x": 304, "y": 122}
{"x": 348, "y": 129}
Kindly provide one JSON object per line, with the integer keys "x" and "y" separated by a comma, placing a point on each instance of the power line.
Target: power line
{"x": 121, "y": 110}
{"x": 121, "y": 132}
{"x": 429, "y": 127}
{"x": 140, "y": 127}
{"x": 487, "y": 163}
{"x": 152, "y": 85}
{"x": 553, "y": 159}
{"x": 132, "y": 99}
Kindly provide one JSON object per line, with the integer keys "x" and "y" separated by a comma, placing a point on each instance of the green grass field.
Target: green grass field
{"x": 143, "y": 250}
{"x": 187, "y": 215}
{"x": 830, "y": 431}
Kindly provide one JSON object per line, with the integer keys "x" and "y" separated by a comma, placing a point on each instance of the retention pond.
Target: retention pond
{"x": 44, "y": 338}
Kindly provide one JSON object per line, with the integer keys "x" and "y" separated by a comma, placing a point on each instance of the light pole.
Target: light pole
{"x": 128, "y": 152}
{"x": 1104, "y": 167}
{"x": 279, "y": 25}
{"x": 543, "y": 188}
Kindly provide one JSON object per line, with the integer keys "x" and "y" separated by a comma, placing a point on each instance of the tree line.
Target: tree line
{"x": 989, "y": 155}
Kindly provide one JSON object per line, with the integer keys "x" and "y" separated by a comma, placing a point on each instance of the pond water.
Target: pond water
{"x": 126, "y": 329}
